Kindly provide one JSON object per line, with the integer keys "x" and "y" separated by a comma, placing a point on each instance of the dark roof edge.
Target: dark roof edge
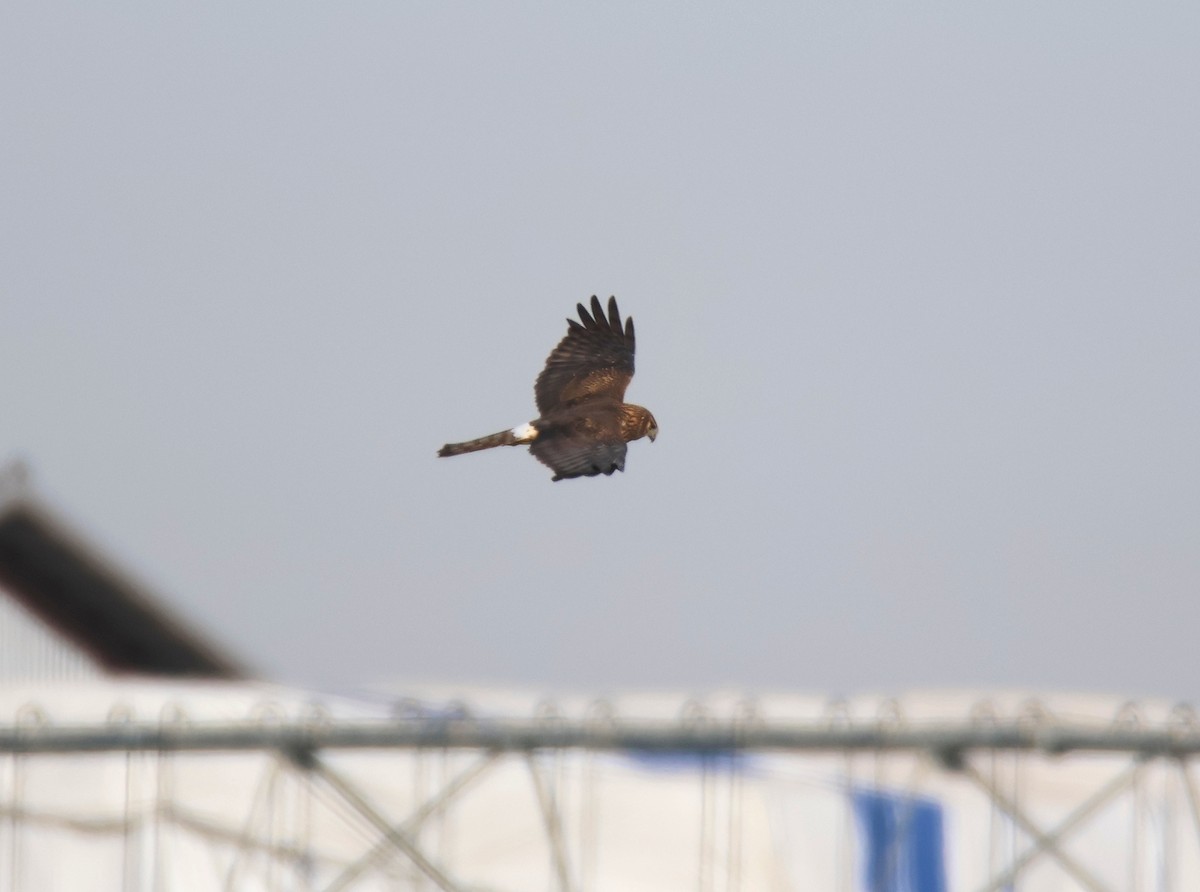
{"x": 59, "y": 576}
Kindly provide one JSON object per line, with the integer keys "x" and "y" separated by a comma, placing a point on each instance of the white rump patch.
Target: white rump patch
{"x": 526, "y": 433}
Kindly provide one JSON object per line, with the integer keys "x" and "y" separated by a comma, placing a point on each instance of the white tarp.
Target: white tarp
{"x": 579, "y": 820}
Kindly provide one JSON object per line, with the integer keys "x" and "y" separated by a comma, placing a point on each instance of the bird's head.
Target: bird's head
{"x": 637, "y": 422}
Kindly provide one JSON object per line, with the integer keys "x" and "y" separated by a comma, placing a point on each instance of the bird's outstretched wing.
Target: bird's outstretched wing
{"x": 573, "y": 454}
{"x": 594, "y": 360}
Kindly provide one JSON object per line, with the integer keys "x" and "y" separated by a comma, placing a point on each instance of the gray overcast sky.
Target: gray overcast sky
{"x": 917, "y": 306}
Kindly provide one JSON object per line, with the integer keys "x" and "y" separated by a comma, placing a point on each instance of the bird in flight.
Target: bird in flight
{"x": 584, "y": 421}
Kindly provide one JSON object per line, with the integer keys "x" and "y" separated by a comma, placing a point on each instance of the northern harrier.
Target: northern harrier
{"x": 584, "y": 422}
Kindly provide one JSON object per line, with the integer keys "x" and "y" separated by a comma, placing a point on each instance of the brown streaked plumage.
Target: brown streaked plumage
{"x": 584, "y": 421}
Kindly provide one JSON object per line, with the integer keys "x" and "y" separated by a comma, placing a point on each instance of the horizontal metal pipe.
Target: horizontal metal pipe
{"x": 509, "y": 735}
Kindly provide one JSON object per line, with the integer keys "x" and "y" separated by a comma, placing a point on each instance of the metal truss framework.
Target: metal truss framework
{"x": 304, "y": 752}
{"x": 947, "y": 742}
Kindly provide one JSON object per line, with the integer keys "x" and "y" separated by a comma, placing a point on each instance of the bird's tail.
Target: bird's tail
{"x": 504, "y": 438}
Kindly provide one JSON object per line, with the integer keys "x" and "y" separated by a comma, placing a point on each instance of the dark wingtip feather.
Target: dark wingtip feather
{"x": 588, "y": 322}
{"x": 614, "y": 316}
{"x": 598, "y": 320}
{"x": 598, "y": 313}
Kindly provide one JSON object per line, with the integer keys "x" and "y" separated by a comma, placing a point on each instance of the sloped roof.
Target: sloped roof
{"x": 61, "y": 579}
